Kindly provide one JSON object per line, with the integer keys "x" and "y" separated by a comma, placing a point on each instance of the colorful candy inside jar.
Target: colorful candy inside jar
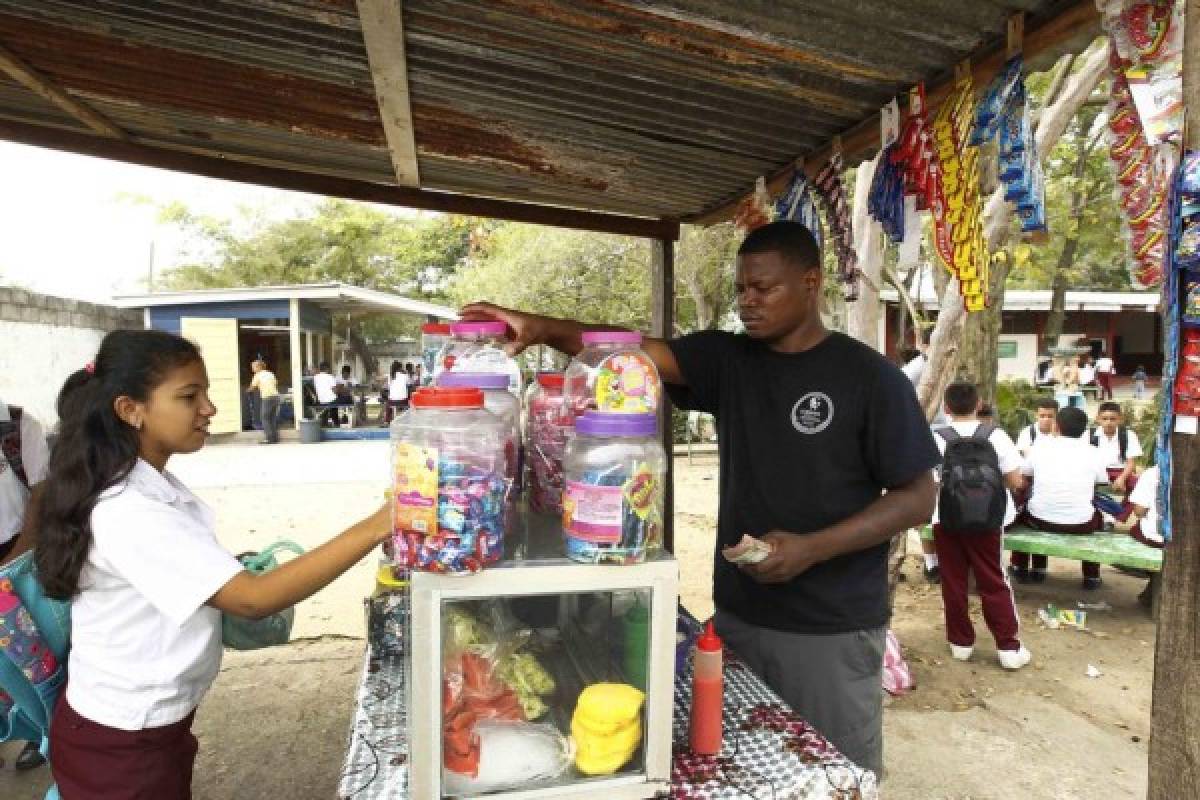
{"x": 615, "y": 473}
{"x": 501, "y": 402}
{"x": 548, "y": 427}
{"x": 612, "y": 374}
{"x": 451, "y": 482}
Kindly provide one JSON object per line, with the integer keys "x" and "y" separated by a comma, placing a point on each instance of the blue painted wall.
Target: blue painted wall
{"x": 166, "y": 318}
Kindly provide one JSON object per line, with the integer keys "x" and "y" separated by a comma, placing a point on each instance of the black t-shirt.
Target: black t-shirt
{"x": 806, "y": 440}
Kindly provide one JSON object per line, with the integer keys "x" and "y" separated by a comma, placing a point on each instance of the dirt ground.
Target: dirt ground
{"x": 276, "y": 721}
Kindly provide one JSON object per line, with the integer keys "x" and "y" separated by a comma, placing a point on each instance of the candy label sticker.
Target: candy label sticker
{"x": 416, "y": 488}
{"x": 593, "y": 513}
{"x": 627, "y": 383}
{"x": 642, "y": 492}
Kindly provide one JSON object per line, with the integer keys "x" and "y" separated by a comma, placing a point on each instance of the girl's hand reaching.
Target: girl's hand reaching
{"x": 380, "y": 522}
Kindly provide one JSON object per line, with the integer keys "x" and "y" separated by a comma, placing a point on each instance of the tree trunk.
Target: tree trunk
{"x": 1175, "y": 721}
{"x": 863, "y": 314}
{"x": 1058, "y": 297}
{"x": 980, "y": 362}
{"x": 947, "y": 333}
{"x": 360, "y": 348}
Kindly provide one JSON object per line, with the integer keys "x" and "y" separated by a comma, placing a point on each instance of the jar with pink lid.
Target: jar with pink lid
{"x": 612, "y": 374}
{"x": 479, "y": 347}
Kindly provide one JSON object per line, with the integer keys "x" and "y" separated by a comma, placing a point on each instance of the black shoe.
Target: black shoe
{"x": 933, "y": 574}
{"x": 1091, "y": 584}
{"x": 1019, "y": 574}
{"x": 1037, "y": 576}
{"x": 30, "y": 758}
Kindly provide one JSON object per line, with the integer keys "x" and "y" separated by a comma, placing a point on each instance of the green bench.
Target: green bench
{"x": 1114, "y": 549}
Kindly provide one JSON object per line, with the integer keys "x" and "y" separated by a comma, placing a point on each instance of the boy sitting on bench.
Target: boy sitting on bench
{"x": 1065, "y": 472}
{"x": 1119, "y": 447}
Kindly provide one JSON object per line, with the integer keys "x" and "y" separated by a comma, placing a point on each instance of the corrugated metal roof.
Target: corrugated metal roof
{"x": 655, "y": 108}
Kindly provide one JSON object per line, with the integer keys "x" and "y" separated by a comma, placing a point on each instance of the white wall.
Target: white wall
{"x": 35, "y": 359}
{"x": 1023, "y": 365}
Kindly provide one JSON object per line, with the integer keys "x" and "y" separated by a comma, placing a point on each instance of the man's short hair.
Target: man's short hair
{"x": 1047, "y": 402}
{"x": 962, "y": 398}
{"x": 1072, "y": 422}
{"x": 1108, "y": 405}
{"x": 792, "y": 240}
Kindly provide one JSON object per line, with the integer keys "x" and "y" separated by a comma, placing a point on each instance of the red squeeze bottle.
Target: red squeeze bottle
{"x": 707, "y": 694}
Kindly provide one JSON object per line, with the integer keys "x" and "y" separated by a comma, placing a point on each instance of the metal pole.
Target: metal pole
{"x": 297, "y": 368}
{"x": 663, "y": 326}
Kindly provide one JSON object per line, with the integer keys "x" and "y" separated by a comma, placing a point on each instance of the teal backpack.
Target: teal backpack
{"x": 26, "y": 713}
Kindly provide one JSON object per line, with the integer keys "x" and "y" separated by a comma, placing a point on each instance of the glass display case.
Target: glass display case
{"x": 543, "y": 678}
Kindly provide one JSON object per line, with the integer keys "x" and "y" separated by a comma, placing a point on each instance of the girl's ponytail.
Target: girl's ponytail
{"x": 95, "y": 449}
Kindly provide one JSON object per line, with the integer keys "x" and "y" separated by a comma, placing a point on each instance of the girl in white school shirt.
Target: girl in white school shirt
{"x": 136, "y": 553}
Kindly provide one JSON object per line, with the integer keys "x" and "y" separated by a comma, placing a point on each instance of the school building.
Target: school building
{"x": 292, "y": 328}
{"x": 1124, "y": 325}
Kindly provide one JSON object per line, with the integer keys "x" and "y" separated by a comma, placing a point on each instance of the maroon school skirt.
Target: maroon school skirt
{"x": 91, "y": 761}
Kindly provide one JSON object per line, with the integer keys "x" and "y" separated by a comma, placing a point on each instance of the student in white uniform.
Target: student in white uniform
{"x": 136, "y": 553}
{"x": 1042, "y": 427}
{"x": 1118, "y": 445}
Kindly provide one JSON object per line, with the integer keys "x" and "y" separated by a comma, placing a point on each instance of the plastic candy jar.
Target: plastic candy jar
{"x": 547, "y": 428}
{"x": 615, "y": 469}
{"x": 478, "y": 347}
{"x": 450, "y": 482}
{"x": 612, "y": 374}
{"x": 434, "y": 336}
{"x": 498, "y": 400}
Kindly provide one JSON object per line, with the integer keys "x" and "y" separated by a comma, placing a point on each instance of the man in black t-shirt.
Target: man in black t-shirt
{"x": 824, "y": 454}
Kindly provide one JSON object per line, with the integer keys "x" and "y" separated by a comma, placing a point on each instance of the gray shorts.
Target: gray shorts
{"x": 834, "y": 681}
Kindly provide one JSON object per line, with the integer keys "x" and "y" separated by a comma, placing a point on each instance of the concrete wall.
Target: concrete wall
{"x": 1023, "y": 365}
{"x": 44, "y": 339}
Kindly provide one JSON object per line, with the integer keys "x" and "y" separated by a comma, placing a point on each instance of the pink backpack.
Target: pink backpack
{"x": 896, "y": 676}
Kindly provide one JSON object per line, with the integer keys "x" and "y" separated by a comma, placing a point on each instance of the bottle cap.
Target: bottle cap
{"x": 436, "y": 328}
{"x": 709, "y": 642}
{"x": 473, "y": 380}
{"x": 611, "y": 337}
{"x": 551, "y": 380}
{"x": 479, "y": 328}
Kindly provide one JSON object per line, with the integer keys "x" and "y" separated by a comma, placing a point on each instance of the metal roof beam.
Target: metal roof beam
{"x": 383, "y": 32}
{"x": 294, "y": 180}
{"x": 43, "y": 87}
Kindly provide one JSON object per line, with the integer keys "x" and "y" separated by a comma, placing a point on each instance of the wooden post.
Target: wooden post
{"x": 662, "y": 325}
{"x": 1175, "y": 720}
{"x": 297, "y": 367}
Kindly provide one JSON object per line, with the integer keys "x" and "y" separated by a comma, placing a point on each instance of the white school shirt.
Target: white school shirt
{"x": 398, "y": 387}
{"x": 144, "y": 646}
{"x": 1145, "y": 494}
{"x": 1006, "y": 452}
{"x": 35, "y": 459}
{"x": 1087, "y": 375}
{"x": 324, "y": 384}
{"x": 1110, "y": 449}
{"x": 1026, "y": 442}
{"x": 1065, "y": 473}
{"x": 1104, "y": 364}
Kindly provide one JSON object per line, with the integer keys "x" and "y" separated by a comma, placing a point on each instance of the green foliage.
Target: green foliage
{"x": 1015, "y": 404}
{"x": 1100, "y": 261}
{"x": 1145, "y": 424}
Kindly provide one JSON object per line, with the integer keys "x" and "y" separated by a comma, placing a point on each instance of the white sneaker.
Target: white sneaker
{"x": 961, "y": 653}
{"x": 1015, "y": 659}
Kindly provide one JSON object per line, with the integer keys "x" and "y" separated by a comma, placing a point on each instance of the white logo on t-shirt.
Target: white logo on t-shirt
{"x": 812, "y": 413}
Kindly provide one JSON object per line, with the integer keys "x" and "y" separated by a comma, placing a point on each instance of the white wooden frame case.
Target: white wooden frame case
{"x": 429, "y": 590}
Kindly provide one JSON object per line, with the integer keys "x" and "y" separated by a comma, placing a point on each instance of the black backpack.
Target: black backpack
{"x": 1122, "y": 440}
{"x": 972, "y": 498}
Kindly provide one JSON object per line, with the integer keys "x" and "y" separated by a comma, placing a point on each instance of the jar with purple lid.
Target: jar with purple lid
{"x": 615, "y": 473}
{"x": 479, "y": 347}
{"x": 498, "y": 400}
{"x": 612, "y": 374}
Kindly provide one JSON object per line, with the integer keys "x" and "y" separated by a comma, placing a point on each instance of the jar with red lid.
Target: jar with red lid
{"x": 612, "y": 374}
{"x": 479, "y": 347}
{"x": 450, "y": 482}
{"x": 548, "y": 425}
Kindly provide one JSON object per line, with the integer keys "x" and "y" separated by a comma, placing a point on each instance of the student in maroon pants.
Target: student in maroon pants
{"x": 981, "y": 464}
